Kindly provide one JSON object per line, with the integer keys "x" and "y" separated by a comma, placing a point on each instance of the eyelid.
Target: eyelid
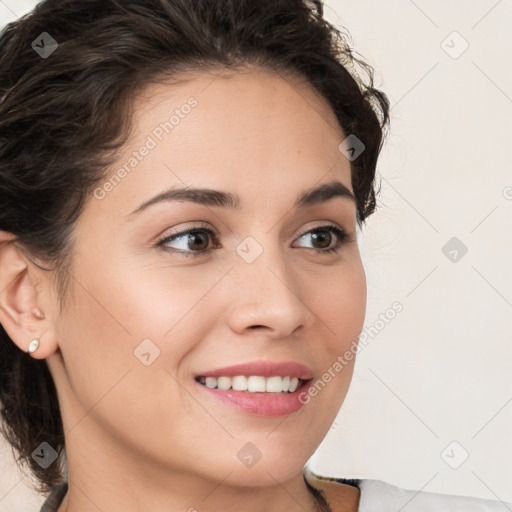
{"x": 323, "y": 224}
{"x": 190, "y": 226}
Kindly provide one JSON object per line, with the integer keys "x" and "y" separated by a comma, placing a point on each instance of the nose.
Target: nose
{"x": 270, "y": 297}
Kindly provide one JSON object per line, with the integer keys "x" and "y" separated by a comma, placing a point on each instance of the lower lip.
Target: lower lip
{"x": 260, "y": 404}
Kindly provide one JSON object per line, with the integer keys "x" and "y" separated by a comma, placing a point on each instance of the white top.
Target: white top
{"x": 379, "y": 496}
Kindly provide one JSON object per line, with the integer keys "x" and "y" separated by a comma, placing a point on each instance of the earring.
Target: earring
{"x": 34, "y": 345}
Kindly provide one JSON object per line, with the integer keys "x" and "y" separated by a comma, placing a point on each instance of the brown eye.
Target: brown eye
{"x": 194, "y": 242}
{"x": 323, "y": 237}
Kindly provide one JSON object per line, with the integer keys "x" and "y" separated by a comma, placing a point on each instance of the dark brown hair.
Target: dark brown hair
{"x": 64, "y": 114}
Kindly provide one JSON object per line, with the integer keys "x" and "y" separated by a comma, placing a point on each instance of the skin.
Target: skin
{"x": 146, "y": 437}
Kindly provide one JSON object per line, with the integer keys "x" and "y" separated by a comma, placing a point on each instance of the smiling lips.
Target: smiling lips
{"x": 262, "y": 388}
{"x": 263, "y": 369}
{"x": 253, "y": 383}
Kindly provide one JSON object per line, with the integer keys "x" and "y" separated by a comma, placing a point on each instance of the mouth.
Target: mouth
{"x": 254, "y": 383}
{"x": 257, "y": 395}
{"x": 260, "y": 388}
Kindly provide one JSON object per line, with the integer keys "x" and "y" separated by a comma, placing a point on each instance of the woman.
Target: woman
{"x": 138, "y": 371}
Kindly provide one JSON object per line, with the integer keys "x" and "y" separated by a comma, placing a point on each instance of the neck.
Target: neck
{"x": 283, "y": 497}
{"x": 107, "y": 478}
{"x": 110, "y": 473}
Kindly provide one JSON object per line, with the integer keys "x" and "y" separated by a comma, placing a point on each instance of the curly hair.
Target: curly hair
{"x": 64, "y": 115}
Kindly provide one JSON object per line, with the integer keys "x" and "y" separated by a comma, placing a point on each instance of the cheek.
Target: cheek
{"x": 109, "y": 318}
{"x": 147, "y": 301}
{"x": 339, "y": 302}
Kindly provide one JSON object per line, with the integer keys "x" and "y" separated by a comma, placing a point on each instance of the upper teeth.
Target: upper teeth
{"x": 253, "y": 383}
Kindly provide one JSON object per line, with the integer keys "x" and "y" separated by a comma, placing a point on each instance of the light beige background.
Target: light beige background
{"x": 440, "y": 371}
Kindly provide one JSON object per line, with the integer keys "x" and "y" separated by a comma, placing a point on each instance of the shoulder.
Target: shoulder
{"x": 380, "y": 496}
{"x": 339, "y": 494}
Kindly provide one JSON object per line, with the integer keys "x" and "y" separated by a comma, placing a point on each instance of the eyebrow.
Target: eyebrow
{"x": 217, "y": 198}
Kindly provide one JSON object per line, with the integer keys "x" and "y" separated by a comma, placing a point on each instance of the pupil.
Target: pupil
{"x": 194, "y": 236}
{"x": 323, "y": 237}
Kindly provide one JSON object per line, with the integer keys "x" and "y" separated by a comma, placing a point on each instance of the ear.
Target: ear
{"x": 22, "y": 313}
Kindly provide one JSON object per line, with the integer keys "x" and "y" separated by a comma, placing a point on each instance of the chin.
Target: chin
{"x": 264, "y": 473}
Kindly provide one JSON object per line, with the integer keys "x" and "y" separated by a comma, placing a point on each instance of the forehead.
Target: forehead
{"x": 252, "y": 132}
{"x": 218, "y": 90}
{"x": 250, "y": 106}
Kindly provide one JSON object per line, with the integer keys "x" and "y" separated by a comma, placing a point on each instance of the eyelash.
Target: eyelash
{"x": 343, "y": 238}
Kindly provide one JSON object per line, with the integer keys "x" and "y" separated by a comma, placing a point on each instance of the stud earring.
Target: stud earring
{"x": 34, "y": 345}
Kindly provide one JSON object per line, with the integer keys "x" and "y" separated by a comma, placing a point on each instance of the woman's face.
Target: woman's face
{"x": 145, "y": 319}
